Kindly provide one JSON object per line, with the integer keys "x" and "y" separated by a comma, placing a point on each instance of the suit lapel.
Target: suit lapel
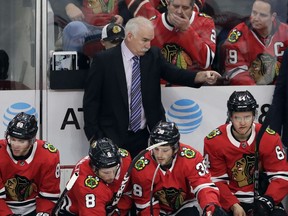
{"x": 120, "y": 74}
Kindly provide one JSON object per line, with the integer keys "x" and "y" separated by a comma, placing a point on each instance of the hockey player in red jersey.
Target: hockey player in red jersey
{"x": 100, "y": 176}
{"x": 172, "y": 179}
{"x": 254, "y": 49}
{"x": 186, "y": 38}
{"x": 230, "y": 154}
{"x": 29, "y": 171}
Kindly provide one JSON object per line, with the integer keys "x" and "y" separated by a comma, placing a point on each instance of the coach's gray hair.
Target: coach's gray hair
{"x": 134, "y": 24}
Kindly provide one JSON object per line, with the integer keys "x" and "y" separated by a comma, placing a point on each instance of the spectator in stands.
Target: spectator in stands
{"x": 278, "y": 111}
{"x": 99, "y": 177}
{"x": 112, "y": 35}
{"x": 95, "y": 12}
{"x": 186, "y": 38}
{"x": 263, "y": 34}
{"x": 29, "y": 171}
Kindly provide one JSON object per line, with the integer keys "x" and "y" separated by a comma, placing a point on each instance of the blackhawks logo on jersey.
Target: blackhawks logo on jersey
{"x": 243, "y": 170}
{"x": 123, "y": 152}
{"x": 19, "y": 188}
{"x": 234, "y": 36}
{"x": 214, "y": 133}
{"x": 270, "y": 131}
{"x": 171, "y": 197}
{"x": 92, "y": 182}
{"x": 204, "y": 15}
{"x": 188, "y": 153}
{"x": 141, "y": 163}
{"x": 176, "y": 55}
{"x": 50, "y": 147}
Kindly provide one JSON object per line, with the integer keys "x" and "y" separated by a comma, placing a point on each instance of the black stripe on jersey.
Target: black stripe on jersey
{"x": 22, "y": 203}
{"x": 49, "y": 198}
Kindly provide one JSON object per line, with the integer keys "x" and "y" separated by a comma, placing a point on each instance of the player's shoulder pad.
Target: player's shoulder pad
{"x": 141, "y": 163}
{"x": 234, "y": 35}
{"x": 48, "y": 146}
{"x": 204, "y": 15}
{"x": 91, "y": 181}
{"x": 124, "y": 153}
{"x": 187, "y": 152}
{"x": 270, "y": 131}
{"x": 216, "y": 132}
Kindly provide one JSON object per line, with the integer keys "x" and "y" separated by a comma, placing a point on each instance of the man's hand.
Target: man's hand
{"x": 208, "y": 77}
{"x": 238, "y": 210}
{"x": 180, "y": 22}
{"x": 74, "y": 13}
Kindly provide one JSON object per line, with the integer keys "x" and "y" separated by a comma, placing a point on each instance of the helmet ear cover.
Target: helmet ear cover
{"x": 165, "y": 132}
{"x": 104, "y": 153}
{"x": 22, "y": 126}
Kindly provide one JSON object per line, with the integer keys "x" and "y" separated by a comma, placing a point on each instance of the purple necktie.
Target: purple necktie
{"x": 136, "y": 97}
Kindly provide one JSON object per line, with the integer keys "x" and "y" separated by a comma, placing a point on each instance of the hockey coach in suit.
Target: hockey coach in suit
{"x": 107, "y": 98}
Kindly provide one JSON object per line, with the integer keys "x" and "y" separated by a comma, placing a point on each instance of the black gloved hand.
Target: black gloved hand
{"x": 263, "y": 206}
{"x": 112, "y": 210}
{"x": 278, "y": 211}
{"x": 213, "y": 210}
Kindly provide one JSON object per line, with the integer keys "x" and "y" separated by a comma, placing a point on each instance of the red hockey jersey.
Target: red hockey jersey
{"x": 192, "y": 49}
{"x": 187, "y": 179}
{"x": 34, "y": 183}
{"x": 90, "y": 195}
{"x": 251, "y": 60}
{"x": 231, "y": 164}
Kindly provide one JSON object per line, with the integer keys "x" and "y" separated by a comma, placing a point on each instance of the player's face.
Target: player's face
{"x": 140, "y": 42}
{"x": 180, "y": 7}
{"x": 261, "y": 17}
{"x": 19, "y": 147}
{"x": 108, "y": 174}
{"x": 242, "y": 122}
{"x": 163, "y": 155}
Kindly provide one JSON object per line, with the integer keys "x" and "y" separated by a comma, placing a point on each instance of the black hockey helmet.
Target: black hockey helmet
{"x": 22, "y": 126}
{"x": 241, "y": 101}
{"x": 104, "y": 153}
{"x": 165, "y": 131}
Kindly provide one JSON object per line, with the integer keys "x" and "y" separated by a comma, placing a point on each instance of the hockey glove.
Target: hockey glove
{"x": 112, "y": 211}
{"x": 263, "y": 206}
{"x": 213, "y": 210}
{"x": 278, "y": 211}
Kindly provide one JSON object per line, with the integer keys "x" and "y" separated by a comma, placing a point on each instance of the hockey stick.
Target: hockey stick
{"x": 256, "y": 165}
{"x": 127, "y": 174}
{"x": 65, "y": 191}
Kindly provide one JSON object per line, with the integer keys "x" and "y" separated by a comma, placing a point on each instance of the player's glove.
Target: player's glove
{"x": 278, "y": 211}
{"x": 112, "y": 210}
{"x": 263, "y": 206}
{"x": 213, "y": 210}
{"x": 42, "y": 214}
